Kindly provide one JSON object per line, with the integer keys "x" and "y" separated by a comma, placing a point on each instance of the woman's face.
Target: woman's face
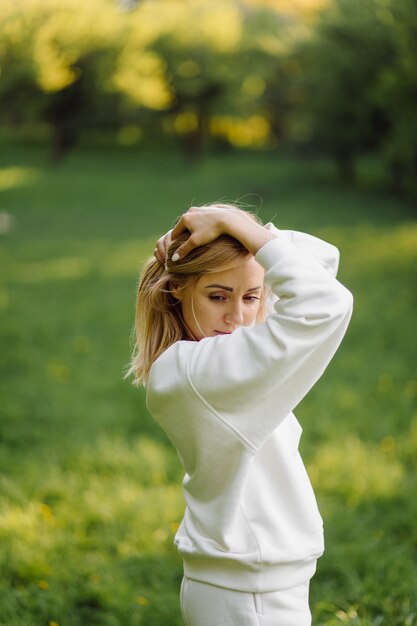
{"x": 223, "y": 301}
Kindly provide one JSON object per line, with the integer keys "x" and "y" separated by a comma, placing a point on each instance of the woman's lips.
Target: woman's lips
{"x": 223, "y": 332}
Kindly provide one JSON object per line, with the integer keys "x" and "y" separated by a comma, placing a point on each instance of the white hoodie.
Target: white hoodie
{"x": 251, "y": 521}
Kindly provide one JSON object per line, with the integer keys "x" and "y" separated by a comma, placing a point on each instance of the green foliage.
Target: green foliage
{"x": 90, "y": 494}
{"x": 55, "y": 64}
{"x": 358, "y": 69}
{"x": 396, "y": 93}
{"x": 251, "y": 74}
{"x": 341, "y": 65}
{"x": 205, "y": 64}
{"x": 92, "y": 65}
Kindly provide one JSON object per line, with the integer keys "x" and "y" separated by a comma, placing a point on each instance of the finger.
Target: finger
{"x": 182, "y": 251}
{"x": 162, "y": 245}
{"x": 167, "y": 242}
{"x": 180, "y": 227}
{"x": 158, "y": 256}
{"x": 159, "y": 251}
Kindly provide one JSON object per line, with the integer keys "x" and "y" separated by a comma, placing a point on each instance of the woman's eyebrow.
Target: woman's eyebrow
{"x": 216, "y": 286}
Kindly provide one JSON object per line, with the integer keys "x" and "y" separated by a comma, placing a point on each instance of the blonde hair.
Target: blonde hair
{"x": 159, "y": 322}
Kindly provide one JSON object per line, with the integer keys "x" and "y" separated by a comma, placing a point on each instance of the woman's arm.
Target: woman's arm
{"x": 327, "y": 255}
{"x": 253, "y": 378}
{"x": 206, "y": 224}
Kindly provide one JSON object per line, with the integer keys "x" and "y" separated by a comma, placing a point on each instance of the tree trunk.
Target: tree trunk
{"x": 345, "y": 166}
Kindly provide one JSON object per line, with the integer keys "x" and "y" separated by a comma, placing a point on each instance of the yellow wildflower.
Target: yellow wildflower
{"x": 42, "y": 584}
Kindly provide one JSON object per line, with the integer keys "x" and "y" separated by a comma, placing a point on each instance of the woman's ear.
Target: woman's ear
{"x": 175, "y": 290}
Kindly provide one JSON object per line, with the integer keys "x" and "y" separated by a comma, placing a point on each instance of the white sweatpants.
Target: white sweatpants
{"x": 207, "y": 605}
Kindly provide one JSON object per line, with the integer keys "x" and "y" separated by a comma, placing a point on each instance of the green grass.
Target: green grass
{"x": 90, "y": 492}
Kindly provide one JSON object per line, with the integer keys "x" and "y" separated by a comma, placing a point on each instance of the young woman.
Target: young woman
{"x": 223, "y": 377}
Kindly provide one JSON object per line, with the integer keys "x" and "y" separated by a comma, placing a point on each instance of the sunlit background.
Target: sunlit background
{"x": 115, "y": 117}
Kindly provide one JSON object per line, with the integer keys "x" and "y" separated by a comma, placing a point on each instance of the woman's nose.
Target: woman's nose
{"x": 234, "y": 315}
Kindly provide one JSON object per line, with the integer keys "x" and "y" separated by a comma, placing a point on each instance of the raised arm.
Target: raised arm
{"x": 205, "y": 224}
{"x": 326, "y": 254}
{"x": 267, "y": 369}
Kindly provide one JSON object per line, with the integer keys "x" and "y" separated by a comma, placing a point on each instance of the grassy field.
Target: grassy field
{"x": 90, "y": 493}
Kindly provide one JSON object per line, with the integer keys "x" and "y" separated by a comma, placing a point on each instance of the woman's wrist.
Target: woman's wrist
{"x": 208, "y": 223}
{"x": 250, "y": 234}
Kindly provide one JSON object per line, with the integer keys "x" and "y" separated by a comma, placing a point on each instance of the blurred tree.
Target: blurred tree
{"x": 358, "y": 87}
{"x": 341, "y": 63}
{"x": 270, "y": 43}
{"x": 56, "y": 59}
{"x": 245, "y": 72}
{"x": 303, "y": 9}
{"x": 200, "y": 69}
{"x": 188, "y": 63}
{"x": 19, "y": 92}
{"x": 396, "y": 93}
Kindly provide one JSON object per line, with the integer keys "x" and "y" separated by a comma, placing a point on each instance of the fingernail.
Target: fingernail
{"x": 175, "y": 257}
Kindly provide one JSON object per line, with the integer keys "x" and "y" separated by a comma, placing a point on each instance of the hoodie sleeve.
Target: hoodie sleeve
{"x": 253, "y": 378}
{"x": 325, "y": 253}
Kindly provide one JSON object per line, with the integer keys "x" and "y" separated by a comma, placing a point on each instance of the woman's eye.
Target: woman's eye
{"x": 220, "y": 298}
{"x": 217, "y": 298}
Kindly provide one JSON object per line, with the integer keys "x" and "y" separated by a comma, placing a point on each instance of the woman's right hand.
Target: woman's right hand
{"x": 206, "y": 224}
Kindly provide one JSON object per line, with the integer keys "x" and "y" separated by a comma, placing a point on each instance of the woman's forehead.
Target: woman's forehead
{"x": 249, "y": 271}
